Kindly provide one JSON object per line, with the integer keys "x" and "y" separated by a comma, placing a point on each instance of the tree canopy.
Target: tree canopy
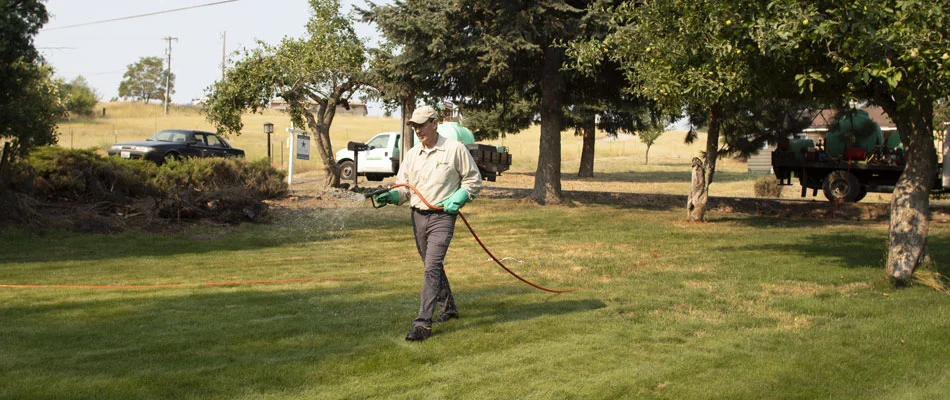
{"x": 503, "y": 62}
{"x": 145, "y": 80}
{"x": 725, "y": 58}
{"x": 20, "y": 21}
{"x": 892, "y": 53}
{"x": 77, "y": 97}
{"x": 701, "y": 58}
{"x": 313, "y": 75}
{"x": 29, "y": 105}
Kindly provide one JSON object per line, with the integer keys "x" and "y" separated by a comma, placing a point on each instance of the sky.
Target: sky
{"x": 102, "y": 51}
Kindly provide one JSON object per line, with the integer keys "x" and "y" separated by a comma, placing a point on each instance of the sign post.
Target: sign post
{"x": 302, "y": 146}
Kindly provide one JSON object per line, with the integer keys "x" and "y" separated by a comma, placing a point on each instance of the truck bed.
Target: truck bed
{"x": 490, "y": 161}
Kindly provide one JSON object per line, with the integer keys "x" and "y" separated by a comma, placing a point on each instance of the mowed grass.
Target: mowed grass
{"x": 739, "y": 308}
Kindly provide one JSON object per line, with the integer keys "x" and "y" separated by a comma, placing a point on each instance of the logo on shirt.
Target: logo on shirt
{"x": 440, "y": 163}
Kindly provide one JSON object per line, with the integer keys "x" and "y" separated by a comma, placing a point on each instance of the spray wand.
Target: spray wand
{"x": 469, "y": 226}
{"x": 375, "y": 193}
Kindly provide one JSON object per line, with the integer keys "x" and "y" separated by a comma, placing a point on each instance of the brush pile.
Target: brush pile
{"x": 80, "y": 190}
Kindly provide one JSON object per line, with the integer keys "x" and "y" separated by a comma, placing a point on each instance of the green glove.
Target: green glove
{"x": 390, "y": 197}
{"x": 452, "y": 204}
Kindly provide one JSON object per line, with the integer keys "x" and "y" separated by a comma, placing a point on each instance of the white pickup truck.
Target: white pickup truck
{"x": 379, "y": 157}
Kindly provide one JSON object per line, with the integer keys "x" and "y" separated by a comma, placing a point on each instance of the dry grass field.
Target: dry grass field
{"x": 619, "y": 163}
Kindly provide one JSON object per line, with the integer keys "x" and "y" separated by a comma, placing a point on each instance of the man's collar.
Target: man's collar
{"x": 439, "y": 145}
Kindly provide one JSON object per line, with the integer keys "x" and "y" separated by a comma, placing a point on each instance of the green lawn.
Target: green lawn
{"x": 739, "y": 308}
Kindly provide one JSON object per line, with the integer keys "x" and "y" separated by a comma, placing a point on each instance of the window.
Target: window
{"x": 379, "y": 142}
{"x": 213, "y": 141}
{"x": 163, "y": 136}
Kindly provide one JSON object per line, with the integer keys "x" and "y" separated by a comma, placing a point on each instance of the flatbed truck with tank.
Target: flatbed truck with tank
{"x": 854, "y": 160}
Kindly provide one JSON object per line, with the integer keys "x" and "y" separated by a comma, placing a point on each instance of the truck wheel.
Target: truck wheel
{"x": 842, "y": 186}
{"x": 347, "y": 171}
{"x": 861, "y": 195}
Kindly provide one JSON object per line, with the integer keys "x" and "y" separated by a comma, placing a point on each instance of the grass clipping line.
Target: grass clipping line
{"x": 174, "y": 285}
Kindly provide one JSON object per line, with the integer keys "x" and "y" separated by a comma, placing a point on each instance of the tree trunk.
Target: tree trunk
{"x": 5, "y": 160}
{"x": 703, "y": 170}
{"x": 910, "y": 208}
{"x": 547, "y": 179}
{"x": 586, "y": 169}
{"x": 408, "y": 106}
{"x": 646, "y": 156}
{"x": 321, "y": 135}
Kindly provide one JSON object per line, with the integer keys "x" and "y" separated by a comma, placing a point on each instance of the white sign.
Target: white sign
{"x": 303, "y": 147}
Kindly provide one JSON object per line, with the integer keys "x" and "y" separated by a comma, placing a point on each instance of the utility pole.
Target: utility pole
{"x": 224, "y": 51}
{"x": 168, "y": 74}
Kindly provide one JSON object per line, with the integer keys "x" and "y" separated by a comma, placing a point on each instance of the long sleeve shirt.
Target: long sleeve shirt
{"x": 438, "y": 172}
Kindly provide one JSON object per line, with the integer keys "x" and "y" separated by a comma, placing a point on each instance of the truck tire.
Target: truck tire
{"x": 861, "y": 195}
{"x": 842, "y": 187}
{"x": 347, "y": 171}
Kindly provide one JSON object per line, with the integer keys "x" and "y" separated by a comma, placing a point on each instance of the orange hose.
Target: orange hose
{"x": 477, "y": 239}
{"x": 164, "y": 286}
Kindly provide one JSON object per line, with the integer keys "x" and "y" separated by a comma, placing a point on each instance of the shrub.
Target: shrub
{"x": 63, "y": 187}
{"x": 66, "y": 174}
{"x": 262, "y": 178}
{"x": 259, "y": 178}
{"x": 767, "y": 186}
{"x": 222, "y": 189}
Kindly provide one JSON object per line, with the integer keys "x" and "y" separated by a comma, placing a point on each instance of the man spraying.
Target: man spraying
{"x": 441, "y": 170}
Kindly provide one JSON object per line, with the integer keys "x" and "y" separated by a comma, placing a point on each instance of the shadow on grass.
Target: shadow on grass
{"x": 857, "y": 246}
{"x": 288, "y": 229}
{"x": 770, "y": 222}
{"x": 224, "y": 342}
{"x": 214, "y": 343}
{"x": 501, "y": 313}
{"x": 855, "y": 249}
{"x": 683, "y": 176}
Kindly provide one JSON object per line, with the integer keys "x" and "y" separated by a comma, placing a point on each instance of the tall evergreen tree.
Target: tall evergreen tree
{"x": 503, "y": 61}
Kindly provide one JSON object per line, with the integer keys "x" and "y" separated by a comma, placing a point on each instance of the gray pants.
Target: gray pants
{"x": 433, "y": 230}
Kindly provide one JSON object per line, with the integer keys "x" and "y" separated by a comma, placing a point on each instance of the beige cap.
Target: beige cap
{"x": 422, "y": 114}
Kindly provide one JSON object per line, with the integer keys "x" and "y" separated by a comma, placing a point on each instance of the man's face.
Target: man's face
{"x": 428, "y": 133}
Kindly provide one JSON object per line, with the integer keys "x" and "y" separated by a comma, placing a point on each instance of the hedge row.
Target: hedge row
{"x": 52, "y": 178}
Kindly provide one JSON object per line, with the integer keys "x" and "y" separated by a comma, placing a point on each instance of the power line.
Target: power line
{"x": 139, "y": 16}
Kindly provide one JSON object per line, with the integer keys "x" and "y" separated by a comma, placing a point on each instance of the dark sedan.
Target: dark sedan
{"x": 175, "y": 144}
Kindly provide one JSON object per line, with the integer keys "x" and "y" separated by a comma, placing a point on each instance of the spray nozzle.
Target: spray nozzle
{"x": 375, "y": 193}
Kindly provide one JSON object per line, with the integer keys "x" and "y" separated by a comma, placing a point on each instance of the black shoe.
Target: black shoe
{"x": 419, "y": 334}
{"x": 445, "y": 317}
